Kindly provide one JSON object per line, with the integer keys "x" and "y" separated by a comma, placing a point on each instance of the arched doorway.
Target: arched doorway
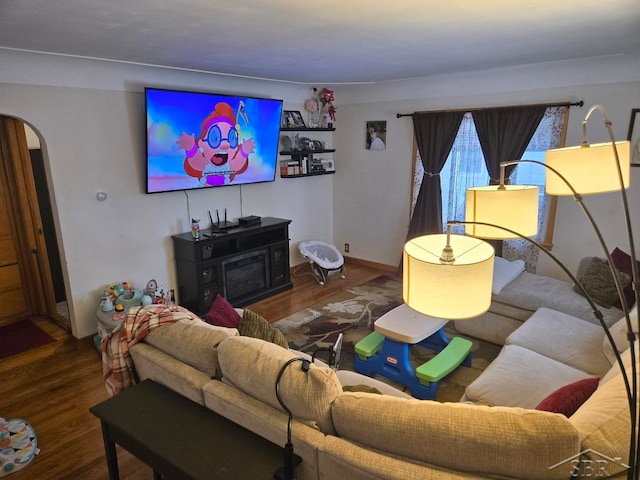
{"x": 31, "y": 279}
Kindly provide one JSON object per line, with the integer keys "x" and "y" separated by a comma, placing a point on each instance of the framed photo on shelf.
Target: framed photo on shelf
{"x": 634, "y": 137}
{"x": 292, "y": 119}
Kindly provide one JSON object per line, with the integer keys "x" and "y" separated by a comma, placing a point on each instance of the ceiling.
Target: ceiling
{"x": 324, "y": 42}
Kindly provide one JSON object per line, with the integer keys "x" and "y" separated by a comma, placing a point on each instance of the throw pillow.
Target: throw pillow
{"x": 566, "y": 400}
{"x": 222, "y": 314}
{"x": 597, "y": 281}
{"x": 504, "y": 272}
{"x": 361, "y": 388}
{"x": 254, "y": 325}
{"x": 622, "y": 261}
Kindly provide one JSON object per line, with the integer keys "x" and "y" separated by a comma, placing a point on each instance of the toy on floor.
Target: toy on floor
{"x": 325, "y": 259}
{"x": 18, "y": 445}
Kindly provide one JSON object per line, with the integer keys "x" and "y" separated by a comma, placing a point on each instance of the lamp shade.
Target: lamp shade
{"x": 513, "y": 206}
{"x": 455, "y": 291}
{"x": 589, "y": 169}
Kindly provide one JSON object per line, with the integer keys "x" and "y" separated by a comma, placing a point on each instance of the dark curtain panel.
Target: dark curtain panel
{"x": 435, "y": 133}
{"x": 504, "y": 134}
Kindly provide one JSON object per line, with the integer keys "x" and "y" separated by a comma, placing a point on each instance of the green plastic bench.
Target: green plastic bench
{"x": 445, "y": 361}
{"x": 369, "y": 345}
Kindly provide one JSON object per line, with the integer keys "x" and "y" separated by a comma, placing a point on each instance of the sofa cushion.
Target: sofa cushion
{"x": 618, "y": 333}
{"x": 504, "y": 272}
{"x": 604, "y": 425}
{"x": 530, "y": 291}
{"x": 252, "y": 365}
{"x": 566, "y": 400}
{"x": 594, "y": 274}
{"x": 151, "y": 363}
{"x": 519, "y": 377}
{"x": 495, "y": 441}
{"x": 222, "y": 313}
{"x": 564, "y": 338}
{"x": 193, "y": 342}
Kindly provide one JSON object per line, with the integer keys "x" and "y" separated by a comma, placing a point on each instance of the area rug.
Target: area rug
{"x": 20, "y": 337}
{"x": 353, "y": 313}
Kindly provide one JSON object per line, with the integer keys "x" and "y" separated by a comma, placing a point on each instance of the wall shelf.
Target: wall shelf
{"x": 306, "y": 129}
{"x": 307, "y": 152}
{"x": 312, "y": 174}
{"x": 302, "y": 162}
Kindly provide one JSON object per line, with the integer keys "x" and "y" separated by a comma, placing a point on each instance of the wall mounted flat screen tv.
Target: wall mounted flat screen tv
{"x": 200, "y": 140}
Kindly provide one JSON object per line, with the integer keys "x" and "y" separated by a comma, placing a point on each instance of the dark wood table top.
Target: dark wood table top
{"x": 181, "y": 439}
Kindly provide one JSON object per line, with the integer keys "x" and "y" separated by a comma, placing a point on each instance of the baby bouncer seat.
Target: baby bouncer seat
{"x": 325, "y": 259}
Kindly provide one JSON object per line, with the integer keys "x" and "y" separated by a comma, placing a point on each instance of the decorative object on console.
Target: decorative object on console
{"x": 570, "y": 171}
{"x": 195, "y": 228}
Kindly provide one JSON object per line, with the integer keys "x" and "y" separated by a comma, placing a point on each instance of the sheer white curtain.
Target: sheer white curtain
{"x": 465, "y": 168}
{"x": 548, "y": 135}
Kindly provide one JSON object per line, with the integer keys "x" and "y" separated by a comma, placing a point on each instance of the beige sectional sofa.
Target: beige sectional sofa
{"x": 340, "y": 434}
{"x": 523, "y": 295}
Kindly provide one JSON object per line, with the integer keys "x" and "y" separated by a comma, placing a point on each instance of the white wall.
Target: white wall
{"x": 89, "y": 116}
{"x": 371, "y": 193}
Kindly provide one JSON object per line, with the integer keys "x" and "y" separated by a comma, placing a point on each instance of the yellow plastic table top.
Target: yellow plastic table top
{"x": 405, "y": 325}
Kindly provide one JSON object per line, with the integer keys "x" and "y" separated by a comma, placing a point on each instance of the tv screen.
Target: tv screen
{"x": 200, "y": 140}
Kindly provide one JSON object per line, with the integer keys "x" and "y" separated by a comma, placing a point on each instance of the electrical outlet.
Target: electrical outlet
{"x": 346, "y": 248}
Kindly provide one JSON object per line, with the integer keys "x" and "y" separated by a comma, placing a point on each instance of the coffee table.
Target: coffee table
{"x": 180, "y": 439}
{"x": 386, "y": 350}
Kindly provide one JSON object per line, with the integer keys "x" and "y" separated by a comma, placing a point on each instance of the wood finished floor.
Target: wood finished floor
{"x": 53, "y": 387}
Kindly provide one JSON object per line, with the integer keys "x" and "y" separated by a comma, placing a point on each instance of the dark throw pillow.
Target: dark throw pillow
{"x": 254, "y": 325}
{"x": 222, "y": 314}
{"x": 622, "y": 261}
{"x": 566, "y": 400}
{"x": 361, "y": 388}
{"x": 598, "y": 282}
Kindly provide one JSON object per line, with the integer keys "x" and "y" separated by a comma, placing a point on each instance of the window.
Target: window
{"x": 465, "y": 168}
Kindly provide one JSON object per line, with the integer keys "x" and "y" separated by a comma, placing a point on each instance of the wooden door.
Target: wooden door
{"x": 22, "y": 293}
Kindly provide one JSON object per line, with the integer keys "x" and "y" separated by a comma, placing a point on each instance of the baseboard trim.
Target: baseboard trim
{"x": 392, "y": 269}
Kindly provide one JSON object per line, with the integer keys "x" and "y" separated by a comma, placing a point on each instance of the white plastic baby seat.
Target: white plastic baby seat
{"x": 324, "y": 257}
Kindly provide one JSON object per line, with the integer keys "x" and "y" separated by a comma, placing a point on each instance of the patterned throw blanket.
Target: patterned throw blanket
{"x": 117, "y": 365}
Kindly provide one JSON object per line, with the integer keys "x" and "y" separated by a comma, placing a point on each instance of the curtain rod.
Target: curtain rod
{"x": 566, "y": 104}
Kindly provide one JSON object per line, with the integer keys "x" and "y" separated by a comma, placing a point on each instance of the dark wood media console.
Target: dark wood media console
{"x": 243, "y": 264}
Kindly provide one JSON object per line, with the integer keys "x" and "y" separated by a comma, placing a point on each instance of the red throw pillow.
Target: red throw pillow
{"x": 222, "y": 314}
{"x": 566, "y": 400}
{"x": 622, "y": 261}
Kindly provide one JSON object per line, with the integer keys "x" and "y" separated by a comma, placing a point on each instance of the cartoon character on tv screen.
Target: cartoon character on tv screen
{"x": 219, "y": 154}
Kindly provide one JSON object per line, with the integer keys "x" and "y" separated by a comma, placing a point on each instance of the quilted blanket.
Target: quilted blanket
{"x": 117, "y": 366}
